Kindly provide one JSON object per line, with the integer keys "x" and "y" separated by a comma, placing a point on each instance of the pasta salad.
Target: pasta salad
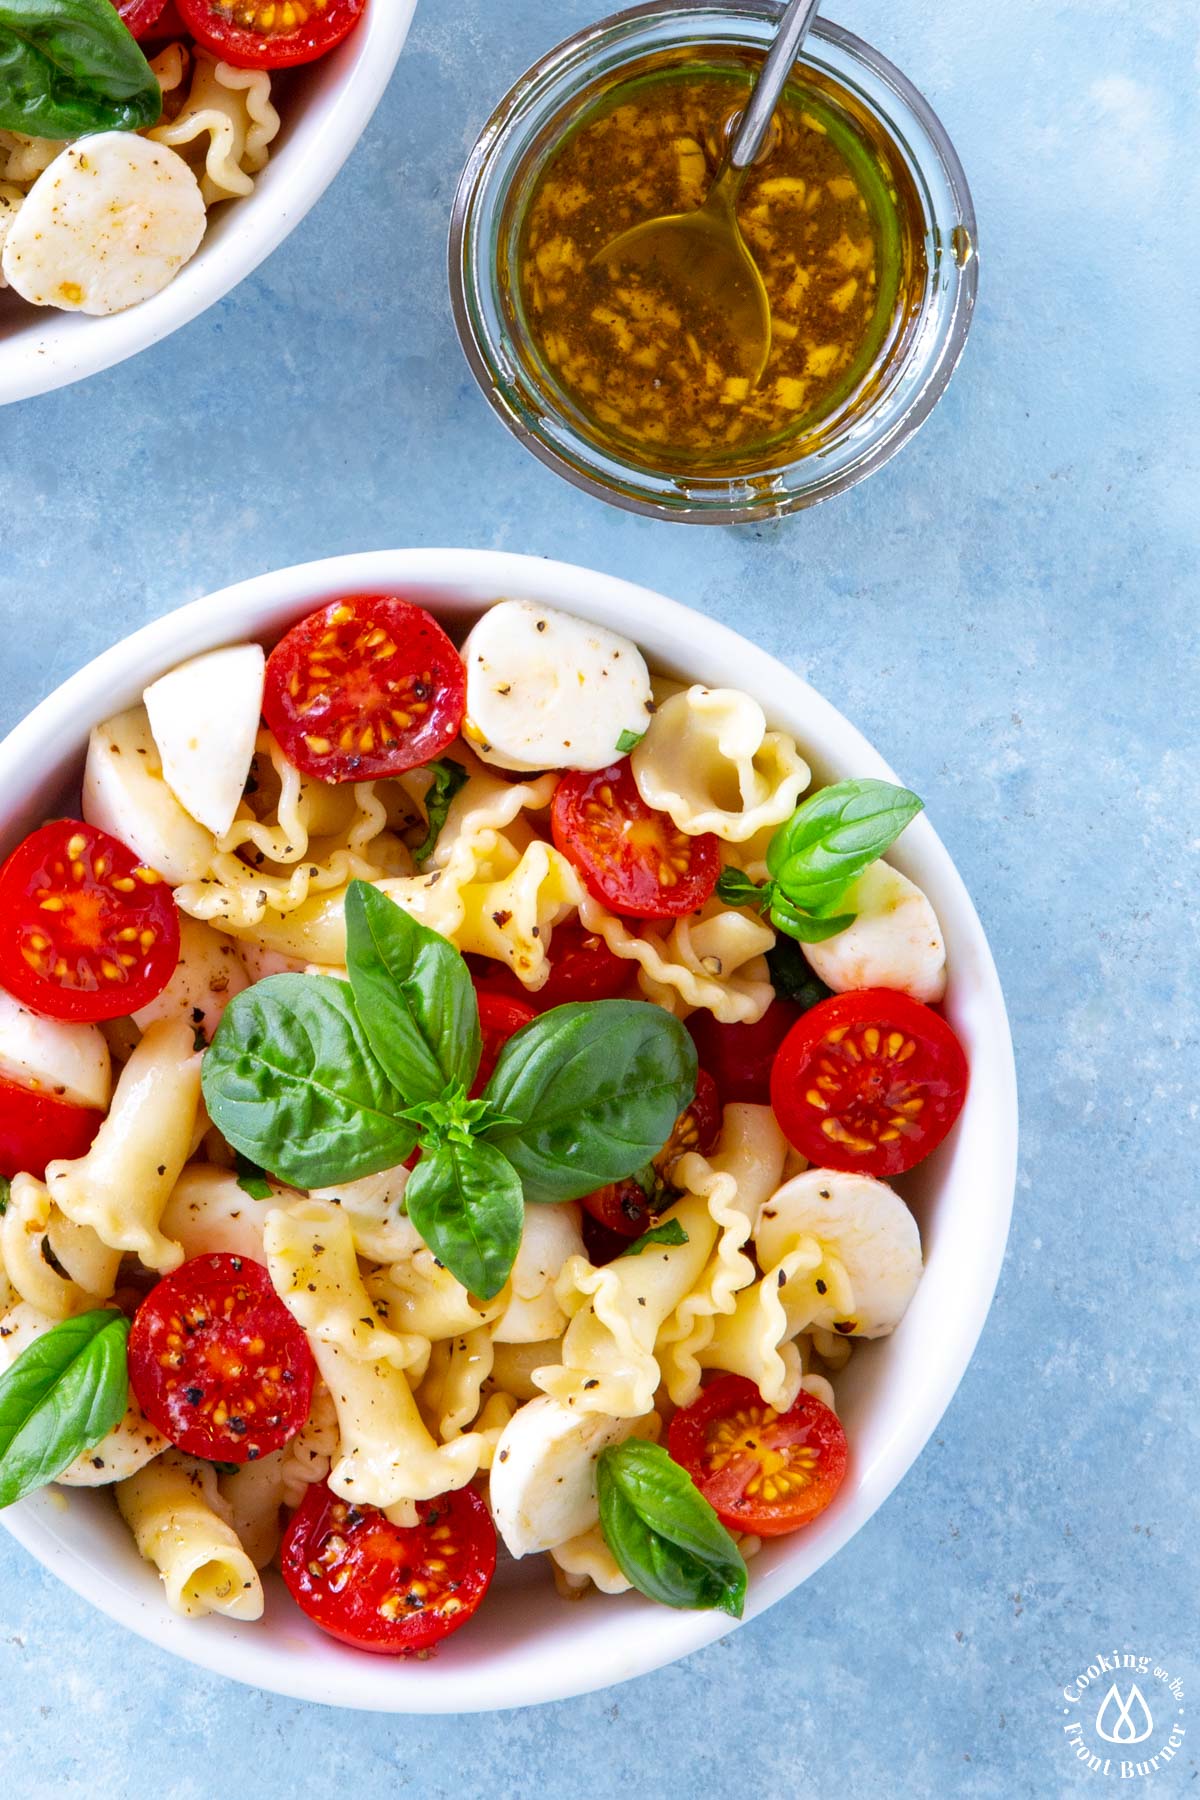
{"x": 124, "y": 122}
{"x": 450, "y": 1101}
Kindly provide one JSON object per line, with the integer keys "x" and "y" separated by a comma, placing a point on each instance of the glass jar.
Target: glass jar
{"x": 502, "y": 171}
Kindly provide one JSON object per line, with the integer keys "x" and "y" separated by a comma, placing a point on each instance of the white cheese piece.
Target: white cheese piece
{"x": 204, "y": 719}
{"x": 11, "y": 200}
{"x": 69, "y": 1060}
{"x": 864, "y": 1224}
{"x": 549, "y": 691}
{"x": 894, "y": 942}
{"x": 109, "y": 222}
{"x": 207, "y": 976}
{"x": 543, "y": 1480}
{"x": 124, "y": 793}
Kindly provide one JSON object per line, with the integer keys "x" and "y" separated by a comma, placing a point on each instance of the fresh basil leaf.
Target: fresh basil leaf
{"x": 224, "y": 1468}
{"x": 669, "y": 1232}
{"x": 291, "y": 1082}
{"x": 592, "y": 1091}
{"x": 251, "y": 1179}
{"x": 791, "y": 976}
{"x": 806, "y": 927}
{"x": 831, "y": 838}
{"x": 64, "y": 1393}
{"x": 69, "y": 67}
{"x": 629, "y": 740}
{"x": 5, "y": 1194}
{"x": 737, "y": 889}
{"x": 466, "y": 1202}
{"x": 448, "y": 777}
{"x": 665, "y": 1536}
{"x": 414, "y": 996}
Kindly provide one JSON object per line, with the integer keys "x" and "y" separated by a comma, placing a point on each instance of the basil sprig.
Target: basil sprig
{"x": 448, "y": 777}
{"x": 816, "y": 856}
{"x": 320, "y": 1082}
{"x": 69, "y": 67}
{"x": 666, "y": 1538}
{"x": 64, "y": 1393}
{"x": 670, "y": 1232}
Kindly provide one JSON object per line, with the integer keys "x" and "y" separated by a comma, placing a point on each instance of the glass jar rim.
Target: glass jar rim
{"x": 951, "y": 241}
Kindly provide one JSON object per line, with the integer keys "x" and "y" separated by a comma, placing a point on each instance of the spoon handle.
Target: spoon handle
{"x": 789, "y": 39}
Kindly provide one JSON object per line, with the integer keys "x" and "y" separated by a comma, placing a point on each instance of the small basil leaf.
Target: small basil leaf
{"x": 791, "y": 976}
{"x": 224, "y": 1468}
{"x": 64, "y": 1393}
{"x": 290, "y": 1081}
{"x": 592, "y": 1090}
{"x": 448, "y": 777}
{"x": 5, "y": 1194}
{"x": 737, "y": 889}
{"x": 665, "y": 1536}
{"x": 805, "y": 927}
{"x": 69, "y": 67}
{"x": 669, "y": 1232}
{"x": 629, "y": 740}
{"x": 414, "y": 995}
{"x": 251, "y": 1179}
{"x": 832, "y": 837}
{"x": 466, "y": 1202}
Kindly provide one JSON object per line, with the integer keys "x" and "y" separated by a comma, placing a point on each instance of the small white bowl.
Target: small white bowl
{"x": 528, "y": 1646}
{"x": 327, "y": 107}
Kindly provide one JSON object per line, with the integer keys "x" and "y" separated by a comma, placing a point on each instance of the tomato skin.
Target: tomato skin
{"x": 87, "y": 932}
{"x": 37, "y": 1126}
{"x": 741, "y": 1056}
{"x": 213, "y": 28}
{"x": 634, "y": 859}
{"x": 499, "y": 1018}
{"x": 338, "y": 695}
{"x": 217, "y": 1361}
{"x": 715, "y": 1439}
{"x": 623, "y": 1208}
{"x": 374, "y": 1607}
{"x": 139, "y": 16}
{"x": 890, "y": 1072}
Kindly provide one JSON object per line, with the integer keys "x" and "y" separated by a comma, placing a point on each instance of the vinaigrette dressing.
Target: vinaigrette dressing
{"x": 827, "y": 212}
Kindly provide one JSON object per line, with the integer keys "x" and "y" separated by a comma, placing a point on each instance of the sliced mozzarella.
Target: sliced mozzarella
{"x": 549, "y": 691}
{"x": 204, "y": 718}
{"x": 549, "y": 1235}
{"x": 894, "y": 942}
{"x": 69, "y": 1060}
{"x": 124, "y": 792}
{"x": 543, "y": 1480}
{"x": 862, "y": 1223}
{"x": 207, "y": 976}
{"x": 129, "y": 1446}
{"x": 109, "y": 222}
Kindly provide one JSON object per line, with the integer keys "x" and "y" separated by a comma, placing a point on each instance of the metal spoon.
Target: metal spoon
{"x": 703, "y": 252}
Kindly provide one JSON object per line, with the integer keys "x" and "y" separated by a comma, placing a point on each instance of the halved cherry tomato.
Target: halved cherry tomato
{"x": 367, "y": 686}
{"x": 86, "y": 930}
{"x": 741, "y": 1056}
{"x": 270, "y": 34}
{"x": 582, "y": 967}
{"x": 217, "y": 1361}
{"x": 389, "y": 1588}
{"x": 761, "y": 1471}
{"x": 633, "y": 858}
{"x": 499, "y": 1018}
{"x": 139, "y": 15}
{"x": 869, "y": 1081}
{"x": 37, "y": 1126}
{"x": 628, "y": 1208}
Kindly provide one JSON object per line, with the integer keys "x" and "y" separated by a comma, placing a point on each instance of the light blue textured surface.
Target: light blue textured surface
{"x": 1009, "y": 611}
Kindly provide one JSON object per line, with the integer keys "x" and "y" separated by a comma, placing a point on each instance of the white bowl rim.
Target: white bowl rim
{"x": 312, "y": 1667}
{"x": 71, "y": 347}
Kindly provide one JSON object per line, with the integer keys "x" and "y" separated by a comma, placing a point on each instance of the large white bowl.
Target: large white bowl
{"x": 527, "y": 1645}
{"x": 325, "y": 111}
